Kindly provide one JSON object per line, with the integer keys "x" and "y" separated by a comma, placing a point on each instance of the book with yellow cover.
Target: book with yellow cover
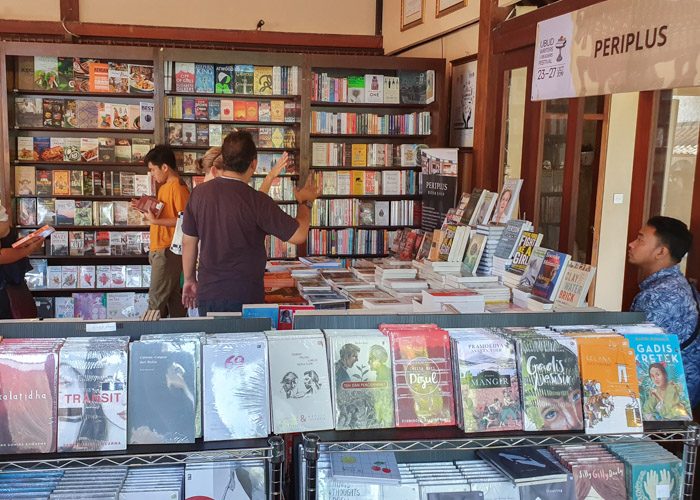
{"x": 262, "y": 80}
{"x": 277, "y": 111}
{"x": 61, "y": 182}
{"x": 359, "y": 155}
{"x": 251, "y": 111}
{"x": 358, "y": 182}
{"x": 611, "y": 401}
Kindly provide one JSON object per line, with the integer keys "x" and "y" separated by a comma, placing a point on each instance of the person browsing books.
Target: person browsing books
{"x": 166, "y": 267}
{"x": 225, "y": 225}
{"x": 665, "y": 295}
{"x": 212, "y": 164}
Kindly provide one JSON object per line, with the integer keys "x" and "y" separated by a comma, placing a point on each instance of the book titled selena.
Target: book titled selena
{"x": 550, "y": 276}
{"x": 147, "y": 204}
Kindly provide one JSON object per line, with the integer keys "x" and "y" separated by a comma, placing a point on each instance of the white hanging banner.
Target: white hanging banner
{"x": 618, "y": 46}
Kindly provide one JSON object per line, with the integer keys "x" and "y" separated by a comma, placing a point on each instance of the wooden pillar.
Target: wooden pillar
{"x": 486, "y": 139}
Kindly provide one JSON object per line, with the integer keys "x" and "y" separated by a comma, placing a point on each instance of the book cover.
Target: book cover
{"x": 26, "y": 211}
{"x": 550, "y": 275}
{"x": 224, "y": 80}
{"x": 227, "y": 109}
{"x": 29, "y": 399}
{"x": 70, "y": 113}
{"x": 189, "y": 134}
{"x": 202, "y": 134}
{"x": 184, "y": 77}
{"x": 236, "y": 389}
{"x": 25, "y": 73}
{"x": 122, "y": 150}
{"x": 86, "y": 277}
{"x": 26, "y": 150}
{"x": 89, "y": 243}
{"x": 64, "y": 307}
{"x": 413, "y": 87}
{"x": 244, "y": 77}
{"x": 528, "y": 241}
{"x": 376, "y": 467}
{"x": 507, "y": 201}
{"x": 102, "y": 243}
{"x": 489, "y": 388}
{"x": 45, "y": 73}
{"x": 65, "y": 212}
{"x": 25, "y": 181}
{"x": 509, "y": 239}
{"x": 262, "y": 83}
{"x": 45, "y": 211}
{"x": 475, "y": 249}
{"x": 214, "y": 109}
{"x": 523, "y": 464}
{"x": 141, "y": 79}
{"x": 90, "y": 306}
{"x": 28, "y": 112}
{"x": 201, "y": 109}
{"x": 204, "y": 77}
{"x": 551, "y": 383}
{"x": 662, "y": 384}
{"x": 98, "y": 77}
{"x": 611, "y": 401}
{"x": 161, "y": 404}
{"x": 188, "y": 109}
{"x": 356, "y": 88}
{"x": 422, "y": 378}
{"x": 374, "y": 88}
{"x": 118, "y": 74}
{"x": 362, "y": 380}
{"x": 299, "y": 382}
{"x": 76, "y": 242}
{"x": 92, "y": 394}
{"x": 226, "y": 480}
{"x": 251, "y": 111}
{"x": 575, "y": 284}
{"x": 277, "y": 111}
{"x": 76, "y": 182}
{"x": 392, "y": 89}
{"x": 146, "y": 120}
{"x": 264, "y": 111}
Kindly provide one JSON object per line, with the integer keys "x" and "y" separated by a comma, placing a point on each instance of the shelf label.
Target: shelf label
{"x": 101, "y": 327}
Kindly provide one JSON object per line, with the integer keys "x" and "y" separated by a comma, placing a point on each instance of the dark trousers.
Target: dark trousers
{"x": 221, "y": 305}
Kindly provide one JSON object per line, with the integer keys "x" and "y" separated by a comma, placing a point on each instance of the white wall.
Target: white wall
{"x": 31, "y": 10}
{"x": 618, "y": 179}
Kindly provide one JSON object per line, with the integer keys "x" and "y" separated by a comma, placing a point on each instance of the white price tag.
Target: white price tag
{"x": 100, "y": 327}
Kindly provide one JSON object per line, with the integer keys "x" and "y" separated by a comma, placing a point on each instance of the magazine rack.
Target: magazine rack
{"x": 446, "y": 443}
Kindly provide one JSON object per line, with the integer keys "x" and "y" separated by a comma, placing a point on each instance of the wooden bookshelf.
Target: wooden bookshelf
{"x": 78, "y": 94}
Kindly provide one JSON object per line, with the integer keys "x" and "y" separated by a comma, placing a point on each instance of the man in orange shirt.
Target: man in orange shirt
{"x": 166, "y": 267}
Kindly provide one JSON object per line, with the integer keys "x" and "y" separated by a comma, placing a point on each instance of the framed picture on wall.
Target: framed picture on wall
{"x": 444, "y": 7}
{"x": 462, "y": 101}
{"x": 411, "y": 13}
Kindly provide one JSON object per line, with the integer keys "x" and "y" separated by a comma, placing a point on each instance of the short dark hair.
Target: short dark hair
{"x": 161, "y": 155}
{"x": 238, "y": 151}
{"x": 673, "y": 234}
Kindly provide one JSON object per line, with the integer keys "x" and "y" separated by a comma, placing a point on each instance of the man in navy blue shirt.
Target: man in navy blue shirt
{"x": 665, "y": 295}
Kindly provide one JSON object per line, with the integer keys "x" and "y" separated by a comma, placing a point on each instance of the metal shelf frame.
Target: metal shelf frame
{"x": 273, "y": 454}
{"x": 314, "y": 443}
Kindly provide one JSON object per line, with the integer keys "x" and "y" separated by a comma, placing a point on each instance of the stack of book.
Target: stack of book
{"x": 392, "y": 270}
{"x": 466, "y": 301}
{"x": 493, "y": 233}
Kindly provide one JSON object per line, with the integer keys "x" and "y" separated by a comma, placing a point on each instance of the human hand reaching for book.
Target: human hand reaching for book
{"x": 280, "y": 166}
{"x": 309, "y": 192}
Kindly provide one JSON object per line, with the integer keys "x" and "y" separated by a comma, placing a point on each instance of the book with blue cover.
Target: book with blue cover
{"x": 262, "y": 311}
{"x": 550, "y": 275}
{"x": 204, "y": 78}
{"x": 662, "y": 384}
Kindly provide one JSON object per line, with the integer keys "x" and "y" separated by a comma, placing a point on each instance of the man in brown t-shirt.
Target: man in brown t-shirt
{"x": 228, "y": 220}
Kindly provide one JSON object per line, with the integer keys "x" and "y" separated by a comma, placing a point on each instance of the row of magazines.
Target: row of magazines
{"x": 104, "y": 393}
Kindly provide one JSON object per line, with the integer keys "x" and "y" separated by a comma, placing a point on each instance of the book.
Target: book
{"x": 26, "y": 211}
{"x": 300, "y": 390}
{"x": 28, "y": 112}
{"x": 523, "y": 465}
{"x": 86, "y": 277}
{"x": 262, "y": 80}
{"x": 510, "y": 238}
{"x": 521, "y": 257}
{"x": 146, "y": 118}
{"x": 392, "y": 90}
{"x": 270, "y": 311}
{"x": 65, "y": 212}
{"x": 160, "y": 411}
{"x": 550, "y": 275}
{"x": 244, "y": 78}
{"x": 611, "y": 401}
{"x": 489, "y": 391}
{"x": 89, "y": 149}
{"x": 141, "y": 80}
{"x": 184, "y": 77}
{"x": 507, "y": 201}
{"x": 45, "y": 211}
{"x": 374, "y": 88}
{"x": 413, "y": 87}
{"x": 90, "y": 306}
{"x": 64, "y": 307}
{"x": 204, "y": 78}
{"x": 475, "y": 249}
{"x": 45, "y": 73}
{"x": 61, "y": 183}
{"x": 236, "y": 395}
{"x": 224, "y": 82}
{"x": 662, "y": 385}
{"x": 422, "y": 376}
{"x": 573, "y": 290}
{"x": 92, "y": 397}
{"x": 377, "y": 467}
{"x": 118, "y": 74}
{"x": 356, "y": 89}
{"x": 98, "y": 77}
{"x": 549, "y": 377}
{"x": 43, "y": 232}
{"x": 361, "y": 376}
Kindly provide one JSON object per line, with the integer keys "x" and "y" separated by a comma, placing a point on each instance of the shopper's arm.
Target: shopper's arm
{"x": 308, "y": 193}
{"x": 190, "y": 250}
{"x": 155, "y": 221}
{"x": 10, "y": 255}
{"x": 274, "y": 173}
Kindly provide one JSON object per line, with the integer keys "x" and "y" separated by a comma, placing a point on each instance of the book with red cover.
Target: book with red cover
{"x": 422, "y": 375}
{"x": 286, "y": 315}
{"x": 28, "y": 388}
{"x": 43, "y": 232}
{"x": 149, "y": 204}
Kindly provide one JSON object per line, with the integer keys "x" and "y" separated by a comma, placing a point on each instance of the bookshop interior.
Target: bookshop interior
{"x": 466, "y": 226}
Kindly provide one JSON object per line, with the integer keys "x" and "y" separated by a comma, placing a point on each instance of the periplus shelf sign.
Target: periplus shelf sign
{"x": 618, "y": 46}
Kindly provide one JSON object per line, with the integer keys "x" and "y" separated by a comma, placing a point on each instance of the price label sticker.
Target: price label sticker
{"x": 100, "y": 327}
